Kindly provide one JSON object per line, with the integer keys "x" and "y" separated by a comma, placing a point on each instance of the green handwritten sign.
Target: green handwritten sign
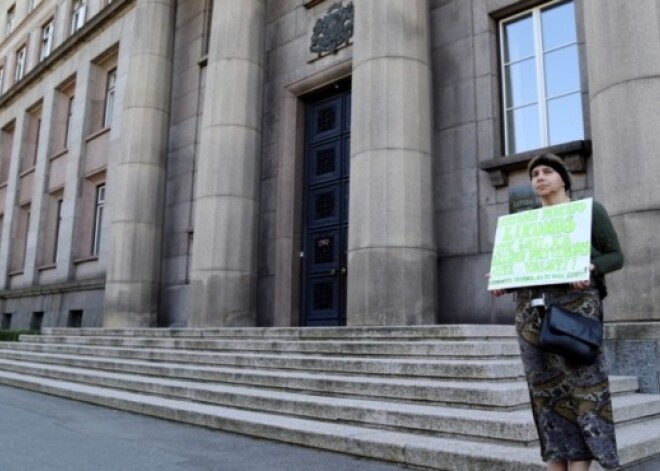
{"x": 543, "y": 246}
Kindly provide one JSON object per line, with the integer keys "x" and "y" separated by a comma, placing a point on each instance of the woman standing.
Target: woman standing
{"x": 570, "y": 402}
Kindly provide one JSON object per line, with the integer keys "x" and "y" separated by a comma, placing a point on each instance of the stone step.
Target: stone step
{"x": 420, "y": 348}
{"x": 487, "y": 369}
{"x": 503, "y": 395}
{"x": 637, "y": 441}
{"x": 467, "y": 331}
{"x": 410, "y": 449}
{"x": 514, "y": 426}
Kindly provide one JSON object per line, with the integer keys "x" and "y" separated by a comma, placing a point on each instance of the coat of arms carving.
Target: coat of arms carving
{"x": 333, "y": 30}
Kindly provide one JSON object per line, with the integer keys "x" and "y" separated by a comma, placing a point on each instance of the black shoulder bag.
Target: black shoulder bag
{"x": 573, "y": 336}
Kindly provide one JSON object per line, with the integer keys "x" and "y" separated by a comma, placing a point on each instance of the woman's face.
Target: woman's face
{"x": 546, "y": 181}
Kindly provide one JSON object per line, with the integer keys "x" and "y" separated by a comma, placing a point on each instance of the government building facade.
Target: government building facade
{"x": 218, "y": 163}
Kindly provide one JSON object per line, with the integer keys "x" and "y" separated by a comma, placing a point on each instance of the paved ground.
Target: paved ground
{"x": 45, "y": 433}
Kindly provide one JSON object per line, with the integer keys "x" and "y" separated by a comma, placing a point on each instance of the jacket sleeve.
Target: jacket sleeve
{"x": 606, "y": 254}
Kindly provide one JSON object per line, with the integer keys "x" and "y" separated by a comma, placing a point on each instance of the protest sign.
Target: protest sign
{"x": 543, "y": 246}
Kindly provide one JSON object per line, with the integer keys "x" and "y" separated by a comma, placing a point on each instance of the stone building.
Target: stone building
{"x": 289, "y": 162}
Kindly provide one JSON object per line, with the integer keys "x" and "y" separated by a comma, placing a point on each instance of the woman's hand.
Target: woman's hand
{"x": 584, "y": 284}
{"x": 496, "y": 292}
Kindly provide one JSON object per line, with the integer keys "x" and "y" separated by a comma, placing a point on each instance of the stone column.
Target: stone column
{"x": 391, "y": 247}
{"x": 625, "y": 125}
{"x": 131, "y": 295}
{"x": 224, "y": 254}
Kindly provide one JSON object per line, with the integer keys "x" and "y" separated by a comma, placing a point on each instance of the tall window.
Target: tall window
{"x": 19, "y": 71}
{"x": 46, "y": 40}
{"x": 109, "y": 98}
{"x": 98, "y": 219}
{"x": 541, "y": 78}
{"x": 77, "y": 15}
{"x": 2, "y": 78}
{"x": 58, "y": 224}
{"x": 11, "y": 18}
{"x": 69, "y": 116}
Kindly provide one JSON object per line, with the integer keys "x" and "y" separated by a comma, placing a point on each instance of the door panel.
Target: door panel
{"x": 326, "y": 210}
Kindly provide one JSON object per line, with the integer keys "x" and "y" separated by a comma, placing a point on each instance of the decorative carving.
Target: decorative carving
{"x": 333, "y": 30}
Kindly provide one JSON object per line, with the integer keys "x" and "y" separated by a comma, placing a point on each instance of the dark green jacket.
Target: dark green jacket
{"x": 606, "y": 252}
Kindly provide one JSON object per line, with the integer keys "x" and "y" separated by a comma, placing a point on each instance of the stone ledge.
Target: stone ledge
{"x": 633, "y": 331}
{"x": 58, "y": 288}
{"x": 574, "y": 154}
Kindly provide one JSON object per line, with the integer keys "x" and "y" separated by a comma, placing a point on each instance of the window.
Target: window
{"x": 6, "y": 321}
{"x": 109, "y": 98}
{"x": 33, "y": 4}
{"x": 541, "y": 78}
{"x": 19, "y": 245}
{"x": 46, "y": 40}
{"x": 36, "y": 321}
{"x": 98, "y": 219}
{"x": 69, "y": 116}
{"x": 6, "y": 147}
{"x": 32, "y": 132}
{"x": 75, "y": 319}
{"x": 2, "y": 78}
{"x": 20, "y": 64}
{"x": 58, "y": 224}
{"x": 11, "y": 17}
{"x": 77, "y": 15}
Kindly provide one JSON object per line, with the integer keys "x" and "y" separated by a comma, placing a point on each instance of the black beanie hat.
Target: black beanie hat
{"x": 554, "y": 162}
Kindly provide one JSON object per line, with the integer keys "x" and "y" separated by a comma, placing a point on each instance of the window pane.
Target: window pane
{"x": 565, "y": 119}
{"x": 518, "y": 39}
{"x": 521, "y": 83}
{"x": 558, "y": 24}
{"x": 523, "y": 129}
{"x": 562, "y": 71}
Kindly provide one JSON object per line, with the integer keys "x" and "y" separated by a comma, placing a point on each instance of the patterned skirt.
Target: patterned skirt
{"x": 571, "y": 403}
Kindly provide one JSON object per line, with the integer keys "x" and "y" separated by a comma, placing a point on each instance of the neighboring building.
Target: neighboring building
{"x": 187, "y": 162}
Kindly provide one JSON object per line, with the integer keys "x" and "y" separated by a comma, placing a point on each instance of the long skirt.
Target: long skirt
{"x": 570, "y": 402}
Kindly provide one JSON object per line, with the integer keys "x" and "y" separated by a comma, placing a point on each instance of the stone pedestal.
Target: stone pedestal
{"x": 224, "y": 255}
{"x": 137, "y": 179}
{"x": 391, "y": 246}
{"x": 625, "y": 120}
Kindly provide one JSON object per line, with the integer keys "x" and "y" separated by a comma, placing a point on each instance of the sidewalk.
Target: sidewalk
{"x": 45, "y": 433}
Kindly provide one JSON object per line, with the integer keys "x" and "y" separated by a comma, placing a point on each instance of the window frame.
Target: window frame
{"x": 58, "y": 225}
{"x": 78, "y": 13}
{"x": 97, "y": 228}
{"x": 109, "y": 102}
{"x": 542, "y": 98}
{"x": 21, "y": 62}
{"x": 46, "y": 41}
{"x": 11, "y": 19}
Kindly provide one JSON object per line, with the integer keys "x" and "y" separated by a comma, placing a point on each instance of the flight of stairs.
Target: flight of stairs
{"x": 449, "y": 397}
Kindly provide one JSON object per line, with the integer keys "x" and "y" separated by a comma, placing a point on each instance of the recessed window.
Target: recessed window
{"x": 75, "y": 319}
{"x": 46, "y": 40}
{"x": 19, "y": 71}
{"x": 11, "y": 18}
{"x": 541, "y": 78}
{"x": 69, "y": 117}
{"x": 58, "y": 225}
{"x": 6, "y": 321}
{"x": 77, "y": 15}
{"x": 98, "y": 219}
{"x": 36, "y": 320}
{"x": 110, "y": 83}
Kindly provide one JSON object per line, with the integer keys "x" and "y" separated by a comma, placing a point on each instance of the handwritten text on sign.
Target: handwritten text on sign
{"x": 541, "y": 247}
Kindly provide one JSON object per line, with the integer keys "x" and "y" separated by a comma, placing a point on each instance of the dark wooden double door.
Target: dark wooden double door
{"x": 327, "y": 159}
